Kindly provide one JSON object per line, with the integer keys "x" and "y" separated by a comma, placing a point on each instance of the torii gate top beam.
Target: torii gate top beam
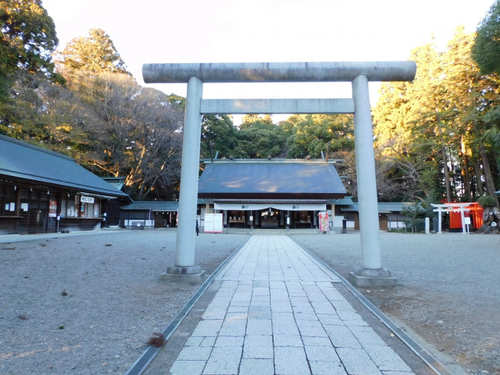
{"x": 280, "y": 72}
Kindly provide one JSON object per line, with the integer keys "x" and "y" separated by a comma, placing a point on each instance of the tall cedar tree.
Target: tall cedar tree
{"x": 94, "y": 53}
{"x": 486, "y": 50}
{"x": 27, "y": 40}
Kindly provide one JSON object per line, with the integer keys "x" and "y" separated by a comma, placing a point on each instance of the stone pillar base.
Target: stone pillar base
{"x": 192, "y": 274}
{"x": 372, "y": 278}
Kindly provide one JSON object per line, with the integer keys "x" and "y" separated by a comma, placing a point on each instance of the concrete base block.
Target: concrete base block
{"x": 191, "y": 274}
{"x": 372, "y": 278}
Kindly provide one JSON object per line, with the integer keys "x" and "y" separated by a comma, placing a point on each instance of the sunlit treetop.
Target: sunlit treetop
{"x": 94, "y": 53}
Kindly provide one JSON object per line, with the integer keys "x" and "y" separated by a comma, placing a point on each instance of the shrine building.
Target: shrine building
{"x": 44, "y": 191}
{"x": 270, "y": 193}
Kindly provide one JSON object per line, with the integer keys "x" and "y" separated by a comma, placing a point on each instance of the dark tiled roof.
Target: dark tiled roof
{"x": 346, "y": 201}
{"x": 116, "y": 182}
{"x": 22, "y": 160}
{"x": 155, "y": 206}
{"x": 261, "y": 178}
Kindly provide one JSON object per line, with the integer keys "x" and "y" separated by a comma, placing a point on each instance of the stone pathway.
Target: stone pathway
{"x": 278, "y": 312}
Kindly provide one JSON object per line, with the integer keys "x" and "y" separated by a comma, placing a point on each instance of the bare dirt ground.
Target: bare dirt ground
{"x": 448, "y": 290}
{"x": 88, "y": 304}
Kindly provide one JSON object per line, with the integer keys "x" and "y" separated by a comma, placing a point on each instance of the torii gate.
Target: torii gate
{"x": 358, "y": 73}
{"x": 452, "y": 207}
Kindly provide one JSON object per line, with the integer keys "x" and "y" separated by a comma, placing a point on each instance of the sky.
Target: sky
{"x": 176, "y": 31}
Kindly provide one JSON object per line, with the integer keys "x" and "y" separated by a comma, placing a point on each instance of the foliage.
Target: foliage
{"x": 310, "y": 135}
{"x": 218, "y": 137}
{"x": 415, "y": 217}
{"x": 138, "y": 131}
{"x": 42, "y": 112}
{"x": 486, "y": 50}
{"x": 258, "y": 137}
{"x": 102, "y": 118}
{"x": 94, "y": 53}
{"x": 487, "y": 201}
{"x": 27, "y": 41}
{"x": 436, "y": 129}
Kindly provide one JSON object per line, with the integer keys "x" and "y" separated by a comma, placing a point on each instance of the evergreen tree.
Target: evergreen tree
{"x": 218, "y": 136}
{"x": 28, "y": 37}
{"x": 94, "y": 53}
{"x": 259, "y": 138}
{"x": 486, "y": 50}
{"x": 311, "y": 135}
{"x": 439, "y": 123}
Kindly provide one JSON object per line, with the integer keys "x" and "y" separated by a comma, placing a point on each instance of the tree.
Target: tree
{"x": 94, "y": 53}
{"x": 138, "y": 132}
{"x": 312, "y": 135}
{"x": 412, "y": 129}
{"x": 475, "y": 96}
{"x": 441, "y": 122}
{"x": 218, "y": 137}
{"x": 27, "y": 41}
{"x": 486, "y": 50}
{"x": 258, "y": 137}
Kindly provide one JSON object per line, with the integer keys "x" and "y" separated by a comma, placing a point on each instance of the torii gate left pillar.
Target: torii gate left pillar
{"x": 371, "y": 272}
{"x": 185, "y": 256}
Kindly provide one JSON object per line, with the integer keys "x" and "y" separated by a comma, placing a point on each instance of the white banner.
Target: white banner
{"x": 264, "y": 206}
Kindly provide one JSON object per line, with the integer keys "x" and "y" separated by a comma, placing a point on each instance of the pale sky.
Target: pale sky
{"x": 161, "y": 31}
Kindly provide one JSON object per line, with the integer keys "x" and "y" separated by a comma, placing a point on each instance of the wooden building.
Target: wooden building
{"x": 43, "y": 191}
{"x": 112, "y": 207}
{"x": 149, "y": 214}
{"x": 389, "y": 213}
{"x": 274, "y": 193}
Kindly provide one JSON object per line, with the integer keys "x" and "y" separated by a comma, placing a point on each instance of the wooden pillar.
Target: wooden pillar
{"x": 18, "y": 201}
{"x": 18, "y": 208}
{"x": 58, "y": 212}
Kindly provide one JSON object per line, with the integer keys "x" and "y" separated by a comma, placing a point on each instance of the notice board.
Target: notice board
{"x": 213, "y": 223}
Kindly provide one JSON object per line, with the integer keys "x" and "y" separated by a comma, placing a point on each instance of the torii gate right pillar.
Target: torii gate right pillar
{"x": 371, "y": 274}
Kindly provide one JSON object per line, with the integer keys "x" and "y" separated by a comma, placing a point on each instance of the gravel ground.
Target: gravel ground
{"x": 448, "y": 290}
{"x": 88, "y": 304}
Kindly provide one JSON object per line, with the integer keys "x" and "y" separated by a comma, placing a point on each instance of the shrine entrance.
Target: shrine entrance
{"x": 358, "y": 73}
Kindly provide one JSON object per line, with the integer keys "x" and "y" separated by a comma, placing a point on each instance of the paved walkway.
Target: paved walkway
{"x": 278, "y": 312}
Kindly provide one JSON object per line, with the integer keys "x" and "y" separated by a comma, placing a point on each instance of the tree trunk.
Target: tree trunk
{"x": 490, "y": 184}
{"x": 479, "y": 182}
{"x": 446, "y": 176}
{"x": 466, "y": 177}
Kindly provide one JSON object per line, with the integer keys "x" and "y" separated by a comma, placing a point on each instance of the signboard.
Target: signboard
{"x": 85, "y": 199}
{"x": 467, "y": 220}
{"x": 213, "y": 223}
{"x": 323, "y": 221}
{"x": 337, "y": 221}
{"x": 52, "y": 208}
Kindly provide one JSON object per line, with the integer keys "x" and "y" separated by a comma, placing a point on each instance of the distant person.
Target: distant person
{"x": 197, "y": 228}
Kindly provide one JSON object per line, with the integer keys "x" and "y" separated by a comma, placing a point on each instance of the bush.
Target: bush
{"x": 487, "y": 201}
